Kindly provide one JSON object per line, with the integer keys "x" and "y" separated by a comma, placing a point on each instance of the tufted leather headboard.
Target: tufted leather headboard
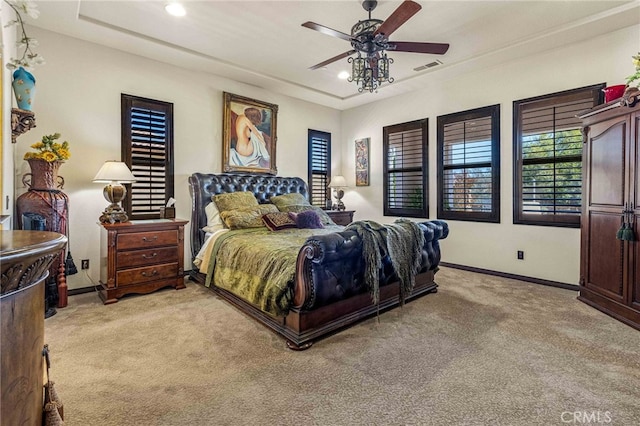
{"x": 202, "y": 186}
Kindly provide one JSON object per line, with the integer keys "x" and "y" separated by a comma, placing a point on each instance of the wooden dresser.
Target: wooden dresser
{"x": 140, "y": 256}
{"x": 610, "y": 258}
{"x": 341, "y": 217}
{"x": 25, "y": 257}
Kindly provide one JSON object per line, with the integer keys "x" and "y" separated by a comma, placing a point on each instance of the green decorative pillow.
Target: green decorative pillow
{"x": 289, "y": 199}
{"x": 298, "y": 208}
{"x": 235, "y": 200}
{"x": 278, "y": 221}
{"x": 249, "y": 217}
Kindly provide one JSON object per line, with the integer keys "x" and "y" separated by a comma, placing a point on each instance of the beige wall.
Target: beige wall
{"x": 79, "y": 96}
{"x": 550, "y": 253}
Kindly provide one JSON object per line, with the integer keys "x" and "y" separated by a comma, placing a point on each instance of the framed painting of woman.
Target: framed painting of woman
{"x": 248, "y": 135}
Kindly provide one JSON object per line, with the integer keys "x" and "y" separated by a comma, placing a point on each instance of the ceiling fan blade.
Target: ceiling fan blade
{"x": 399, "y": 16}
{"x": 417, "y": 47}
{"x": 326, "y": 30}
{"x": 335, "y": 58}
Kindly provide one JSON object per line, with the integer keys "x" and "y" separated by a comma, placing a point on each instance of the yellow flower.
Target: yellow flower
{"x": 64, "y": 154}
{"x": 49, "y": 150}
{"x": 49, "y": 156}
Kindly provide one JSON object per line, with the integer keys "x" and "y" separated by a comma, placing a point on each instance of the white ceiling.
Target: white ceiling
{"x": 262, "y": 43}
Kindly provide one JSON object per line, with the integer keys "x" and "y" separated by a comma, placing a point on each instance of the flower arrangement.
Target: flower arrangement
{"x": 49, "y": 150}
{"x": 29, "y": 58}
{"x": 635, "y": 77}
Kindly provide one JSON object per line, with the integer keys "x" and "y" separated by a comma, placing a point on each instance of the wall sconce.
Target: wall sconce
{"x": 115, "y": 173}
{"x": 337, "y": 183}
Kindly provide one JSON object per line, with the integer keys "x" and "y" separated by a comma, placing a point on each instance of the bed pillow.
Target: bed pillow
{"x": 289, "y": 199}
{"x": 307, "y": 220}
{"x": 235, "y": 200}
{"x": 214, "y": 221}
{"x": 297, "y": 208}
{"x": 278, "y": 220}
{"x": 248, "y": 217}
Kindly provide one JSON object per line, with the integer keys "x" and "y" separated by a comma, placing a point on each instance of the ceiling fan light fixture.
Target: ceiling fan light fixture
{"x": 369, "y": 73}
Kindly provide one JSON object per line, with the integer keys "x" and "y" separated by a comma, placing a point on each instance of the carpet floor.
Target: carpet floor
{"x": 482, "y": 351}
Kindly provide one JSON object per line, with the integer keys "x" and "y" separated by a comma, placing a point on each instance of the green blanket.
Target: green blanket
{"x": 402, "y": 241}
{"x": 259, "y": 265}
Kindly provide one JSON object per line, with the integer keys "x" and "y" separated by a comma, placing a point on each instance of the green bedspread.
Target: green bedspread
{"x": 259, "y": 265}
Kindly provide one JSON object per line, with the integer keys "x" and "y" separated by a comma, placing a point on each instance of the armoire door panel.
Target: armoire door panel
{"x": 606, "y": 164}
{"x": 604, "y": 273}
{"x": 634, "y": 247}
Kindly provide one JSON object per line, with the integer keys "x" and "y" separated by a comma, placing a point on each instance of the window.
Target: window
{"x": 319, "y": 167}
{"x": 469, "y": 165}
{"x": 405, "y": 169}
{"x": 548, "y": 157}
{"x": 147, "y": 148}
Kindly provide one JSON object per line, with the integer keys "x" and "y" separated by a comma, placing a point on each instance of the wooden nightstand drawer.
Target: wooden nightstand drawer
{"x": 132, "y": 258}
{"x": 147, "y": 239}
{"x": 149, "y": 273}
{"x": 342, "y": 217}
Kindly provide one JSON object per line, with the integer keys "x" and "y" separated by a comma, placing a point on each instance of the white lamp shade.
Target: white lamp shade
{"x": 338, "y": 182}
{"x": 114, "y": 171}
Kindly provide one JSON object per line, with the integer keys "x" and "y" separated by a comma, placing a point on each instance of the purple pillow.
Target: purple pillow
{"x": 308, "y": 219}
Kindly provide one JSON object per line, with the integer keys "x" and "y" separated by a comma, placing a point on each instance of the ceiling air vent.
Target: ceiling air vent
{"x": 429, "y": 65}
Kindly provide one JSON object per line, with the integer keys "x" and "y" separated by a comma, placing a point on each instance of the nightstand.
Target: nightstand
{"x": 140, "y": 256}
{"x": 343, "y": 217}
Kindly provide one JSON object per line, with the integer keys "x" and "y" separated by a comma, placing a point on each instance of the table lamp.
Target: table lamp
{"x": 337, "y": 183}
{"x": 115, "y": 173}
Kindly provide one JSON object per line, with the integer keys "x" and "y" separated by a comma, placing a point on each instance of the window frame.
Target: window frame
{"x": 551, "y": 99}
{"x": 493, "y": 112}
{"x": 128, "y": 102}
{"x": 423, "y": 125}
{"x": 311, "y": 135}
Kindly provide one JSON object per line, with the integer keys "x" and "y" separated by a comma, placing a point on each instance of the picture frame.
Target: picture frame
{"x": 362, "y": 162}
{"x": 256, "y": 121}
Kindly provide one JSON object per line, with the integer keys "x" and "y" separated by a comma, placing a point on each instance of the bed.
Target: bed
{"x": 330, "y": 285}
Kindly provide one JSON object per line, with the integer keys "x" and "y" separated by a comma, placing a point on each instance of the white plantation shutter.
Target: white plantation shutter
{"x": 147, "y": 148}
{"x": 548, "y": 184}
{"x": 319, "y": 167}
{"x": 405, "y": 169}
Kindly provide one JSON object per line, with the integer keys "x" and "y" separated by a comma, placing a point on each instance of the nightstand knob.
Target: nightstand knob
{"x": 144, "y": 256}
{"x": 145, "y": 239}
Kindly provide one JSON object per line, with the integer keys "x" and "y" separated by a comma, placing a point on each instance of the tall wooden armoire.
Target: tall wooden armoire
{"x": 610, "y": 250}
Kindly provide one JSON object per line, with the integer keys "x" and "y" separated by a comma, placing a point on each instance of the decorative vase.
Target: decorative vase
{"x": 44, "y": 175}
{"x": 24, "y": 88}
{"x": 45, "y": 207}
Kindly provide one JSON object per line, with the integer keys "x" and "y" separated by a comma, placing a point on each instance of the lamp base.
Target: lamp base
{"x": 112, "y": 214}
{"x": 339, "y": 205}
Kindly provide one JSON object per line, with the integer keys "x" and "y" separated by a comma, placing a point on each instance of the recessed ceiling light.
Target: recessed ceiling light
{"x": 343, "y": 75}
{"x": 175, "y": 9}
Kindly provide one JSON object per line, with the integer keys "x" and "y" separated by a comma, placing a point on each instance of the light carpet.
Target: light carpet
{"x": 482, "y": 351}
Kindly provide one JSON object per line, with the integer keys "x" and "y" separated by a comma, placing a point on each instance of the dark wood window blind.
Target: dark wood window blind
{"x": 147, "y": 148}
{"x": 548, "y": 156}
{"x": 469, "y": 165}
{"x": 319, "y": 167}
{"x": 405, "y": 169}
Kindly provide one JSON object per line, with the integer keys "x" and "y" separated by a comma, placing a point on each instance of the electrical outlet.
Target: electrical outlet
{"x": 520, "y": 255}
{"x": 85, "y": 263}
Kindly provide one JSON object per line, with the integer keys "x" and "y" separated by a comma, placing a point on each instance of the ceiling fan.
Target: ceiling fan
{"x": 370, "y": 37}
